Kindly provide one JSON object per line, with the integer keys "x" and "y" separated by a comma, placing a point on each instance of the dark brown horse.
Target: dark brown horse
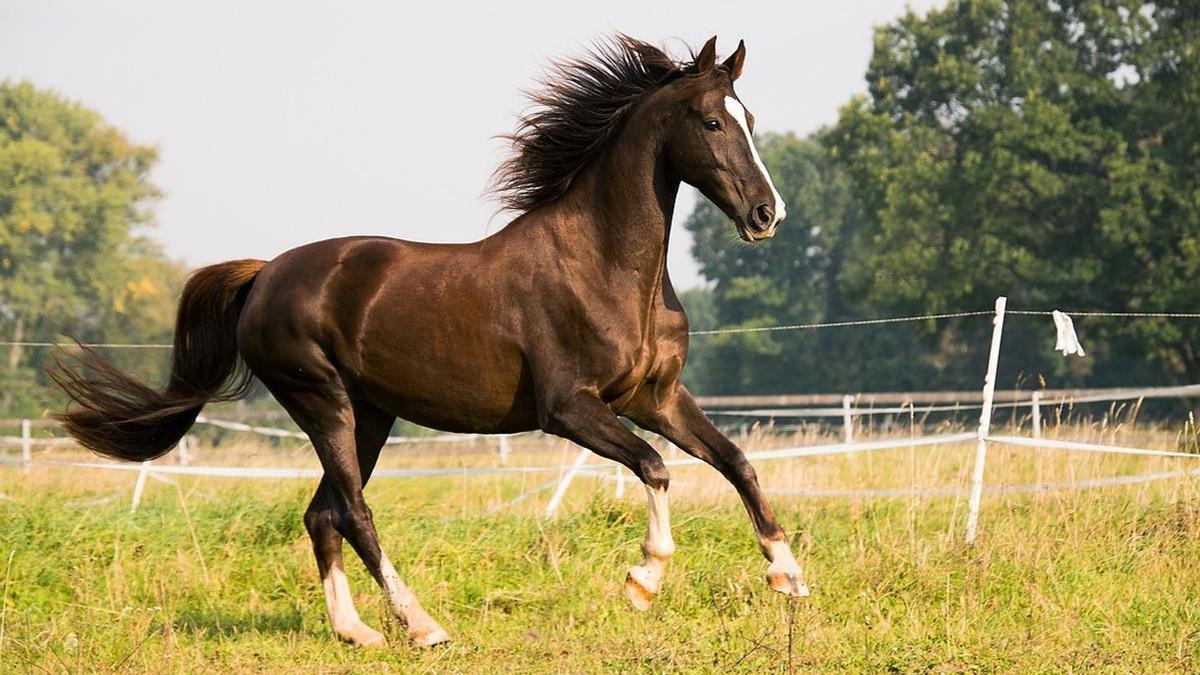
{"x": 563, "y": 321}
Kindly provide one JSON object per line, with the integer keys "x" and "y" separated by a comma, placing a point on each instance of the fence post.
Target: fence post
{"x": 504, "y": 449}
{"x": 181, "y": 451}
{"x": 563, "y": 484}
{"x": 26, "y": 445}
{"x": 1036, "y": 412}
{"x": 620, "y": 491}
{"x": 847, "y": 419}
{"x": 985, "y": 420}
{"x": 138, "y": 487}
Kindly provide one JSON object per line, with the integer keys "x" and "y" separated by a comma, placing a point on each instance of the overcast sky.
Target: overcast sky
{"x": 280, "y": 123}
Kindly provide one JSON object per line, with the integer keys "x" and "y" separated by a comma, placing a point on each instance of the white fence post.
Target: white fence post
{"x": 985, "y": 420}
{"x": 847, "y": 419}
{"x": 1036, "y": 412}
{"x": 620, "y": 491}
{"x": 182, "y": 451}
{"x": 138, "y": 488}
{"x": 563, "y": 484}
{"x": 504, "y": 449}
{"x": 26, "y": 445}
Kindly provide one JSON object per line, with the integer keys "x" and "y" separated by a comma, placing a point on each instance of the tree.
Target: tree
{"x": 1047, "y": 151}
{"x": 792, "y": 279}
{"x": 1020, "y": 148}
{"x": 73, "y": 194}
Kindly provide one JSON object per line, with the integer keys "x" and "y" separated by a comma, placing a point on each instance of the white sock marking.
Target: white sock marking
{"x": 781, "y": 556}
{"x": 342, "y": 614}
{"x": 406, "y": 607}
{"x": 657, "y": 549}
{"x": 738, "y": 111}
{"x": 400, "y": 597}
{"x": 659, "y": 543}
{"x": 784, "y": 564}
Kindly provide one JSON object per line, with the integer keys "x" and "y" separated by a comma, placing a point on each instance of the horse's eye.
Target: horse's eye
{"x": 712, "y": 125}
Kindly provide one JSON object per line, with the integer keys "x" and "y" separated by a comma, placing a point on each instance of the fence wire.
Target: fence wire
{"x": 749, "y": 329}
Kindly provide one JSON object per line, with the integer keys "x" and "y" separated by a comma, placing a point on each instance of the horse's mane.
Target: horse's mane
{"x": 574, "y": 116}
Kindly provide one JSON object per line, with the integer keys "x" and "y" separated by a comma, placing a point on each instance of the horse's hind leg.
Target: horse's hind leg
{"x": 347, "y": 439}
{"x": 371, "y": 428}
{"x": 371, "y": 431}
{"x": 327, "y": 545}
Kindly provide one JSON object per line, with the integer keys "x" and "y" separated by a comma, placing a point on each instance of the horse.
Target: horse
{"x": 564, "y": 321}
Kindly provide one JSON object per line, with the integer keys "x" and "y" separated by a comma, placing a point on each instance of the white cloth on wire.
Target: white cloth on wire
{"x": 1067, "y": 341}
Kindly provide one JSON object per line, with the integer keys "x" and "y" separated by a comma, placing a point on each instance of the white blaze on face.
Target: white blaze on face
{"x": 738, "y": 111}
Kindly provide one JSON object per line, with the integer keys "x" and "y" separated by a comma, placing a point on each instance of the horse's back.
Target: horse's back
{"x": 410, "y": 327}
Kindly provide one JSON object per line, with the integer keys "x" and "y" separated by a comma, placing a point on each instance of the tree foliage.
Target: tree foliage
{"x": 1048, "y": 151}
{"x": 74, "y": 193}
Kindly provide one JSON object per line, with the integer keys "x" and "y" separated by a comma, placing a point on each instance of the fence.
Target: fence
{"x": 907, "y": 403}
{"x": 851, "y": 407}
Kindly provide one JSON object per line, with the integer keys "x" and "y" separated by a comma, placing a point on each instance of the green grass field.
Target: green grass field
{"x": 217, "y": 575}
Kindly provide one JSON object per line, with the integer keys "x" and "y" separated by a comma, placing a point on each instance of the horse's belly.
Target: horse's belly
{"x": 458, "y": 413}
{"x": 464, "y": 394}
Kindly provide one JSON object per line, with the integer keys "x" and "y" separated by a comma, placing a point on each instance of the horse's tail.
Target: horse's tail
{"x": 119, "y": 416}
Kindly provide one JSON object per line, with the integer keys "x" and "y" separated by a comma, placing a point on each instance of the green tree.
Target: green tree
{"x": 1021, "y": 148}
{"x": 73, "y": 194}
{"x": 792, "y": 279}
{"x": 1047, "y": 151}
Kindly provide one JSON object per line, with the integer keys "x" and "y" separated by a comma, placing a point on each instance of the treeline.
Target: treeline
{"x": 74, "y": 196}
{"x": 1047, "y": 151}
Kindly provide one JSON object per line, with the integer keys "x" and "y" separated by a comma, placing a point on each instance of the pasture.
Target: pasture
{"x": 217, "y": 574}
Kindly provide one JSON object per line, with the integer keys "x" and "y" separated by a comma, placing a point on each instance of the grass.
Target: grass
{"x": 217, "y": 575}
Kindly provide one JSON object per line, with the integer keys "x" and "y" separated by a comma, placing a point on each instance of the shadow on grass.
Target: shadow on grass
{"x": 227, "y": 624}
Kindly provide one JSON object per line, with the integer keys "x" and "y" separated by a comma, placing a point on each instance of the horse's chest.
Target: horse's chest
{"x": 656, "y": 361}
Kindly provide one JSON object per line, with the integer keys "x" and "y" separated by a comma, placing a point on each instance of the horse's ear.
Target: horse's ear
{"x": 734, "y": 63}
{"x": 707, "y": 58}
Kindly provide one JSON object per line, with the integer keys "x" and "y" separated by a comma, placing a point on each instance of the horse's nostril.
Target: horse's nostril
{"x": 763, "y": 215}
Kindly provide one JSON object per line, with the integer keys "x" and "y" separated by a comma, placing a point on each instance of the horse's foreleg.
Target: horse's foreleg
{"x": 588, "y": 422}
{"x": 682, "y": 422}
{"x": 644, "y": 580}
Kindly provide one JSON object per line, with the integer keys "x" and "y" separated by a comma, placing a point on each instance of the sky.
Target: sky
{"x": 280, "y": 123}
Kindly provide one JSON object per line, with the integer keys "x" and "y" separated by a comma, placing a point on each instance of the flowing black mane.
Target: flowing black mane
{"x": 573, "y": 117}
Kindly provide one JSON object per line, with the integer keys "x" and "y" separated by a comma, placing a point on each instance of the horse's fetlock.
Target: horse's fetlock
{"x": 655, "y": 474}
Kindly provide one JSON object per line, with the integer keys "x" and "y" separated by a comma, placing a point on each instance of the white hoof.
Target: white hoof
{"x": 428, "y": 638}
{"x": 641, "y": 587}
{"x": 361, "y": 635}
{"x": 788, "y": 580}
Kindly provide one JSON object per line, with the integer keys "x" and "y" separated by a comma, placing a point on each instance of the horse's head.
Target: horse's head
{"x": 710, "y": 145}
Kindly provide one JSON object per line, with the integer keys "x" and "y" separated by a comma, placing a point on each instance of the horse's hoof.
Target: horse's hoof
{"x": 787, "y": 581}
{"x": 639, "y": 588}
{"x": 362, "y": 635}
{"x": 430, "y": 638}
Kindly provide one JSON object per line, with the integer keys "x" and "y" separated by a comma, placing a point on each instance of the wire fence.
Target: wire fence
{"x": 848, "y": 411}
{"x": 733, "y": 330}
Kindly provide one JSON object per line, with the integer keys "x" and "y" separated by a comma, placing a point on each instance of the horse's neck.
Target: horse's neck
{"x": 623, "y": 205}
